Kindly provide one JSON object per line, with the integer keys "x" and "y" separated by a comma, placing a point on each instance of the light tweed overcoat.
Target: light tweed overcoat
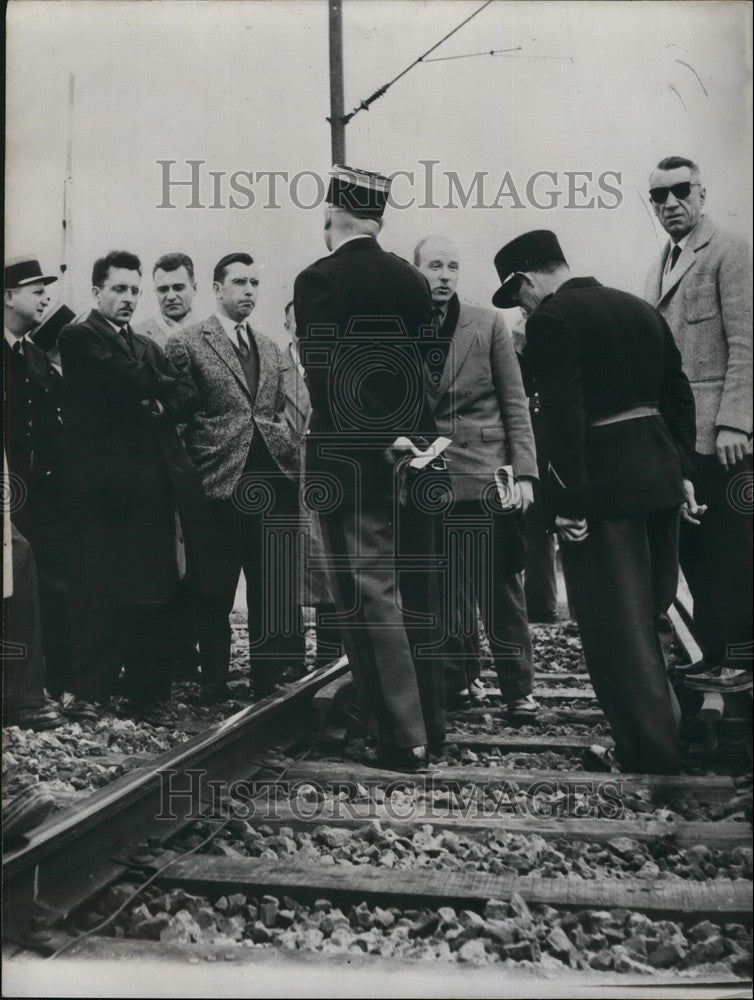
{"x": 707, "y": 306}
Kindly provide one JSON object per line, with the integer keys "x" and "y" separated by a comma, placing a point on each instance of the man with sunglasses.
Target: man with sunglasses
{"x": 619, "y": 421}
{"x": 701, "y": 285}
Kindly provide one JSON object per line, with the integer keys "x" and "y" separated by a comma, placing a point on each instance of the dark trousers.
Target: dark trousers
{"x": 185, "y": 638}
{"x": 259, "y": 527}
{"x": 491, "y": 555}
{"x": 540, "y": 579}
{"x": 57, "y": 635}
{"x": 386, "y": 584}
{"x": 620, "y": 580}
{"x": 328, "y": 638}
{"x": 23, "y": 664}
{"x": 43, "y": 525}
{"x": 716, "y": 558}
{"x": 138, "y": 637}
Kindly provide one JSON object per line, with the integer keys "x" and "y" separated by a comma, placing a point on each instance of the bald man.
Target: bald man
{"x": 478, "y": 400}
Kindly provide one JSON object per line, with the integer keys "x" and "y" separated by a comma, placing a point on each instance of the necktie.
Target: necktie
{"x": 126, "y": 335}
{"x": 243, "y": 347}
{"x": 18, "y": 349}
{"x": 675, "y": 253}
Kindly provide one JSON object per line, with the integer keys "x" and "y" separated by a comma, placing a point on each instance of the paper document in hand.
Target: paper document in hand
{"x": 507, "y": 488}
{"x": 437, "y": 447}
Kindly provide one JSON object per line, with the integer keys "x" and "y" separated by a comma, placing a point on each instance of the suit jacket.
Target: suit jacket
{"x": 218, "y": 435}
{"x": 594, "y": 352}
{"x": 129, "y": 471}
{"x": 364, "y": 322}
{"x": 152, "y": 329}
{"x": 481, "y": 405}
{"x": 708, "y": 308}
{"x": 32, "y": 405}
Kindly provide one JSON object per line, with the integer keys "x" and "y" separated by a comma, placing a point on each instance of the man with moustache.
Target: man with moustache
{"x": 701, "y": 284}
{"x": 242, "y": 445}
{"x": 619, "y": 424}
{"x": 478, "y": 400}
{"x": 135, "y": 499}
{"x": 32, "y": 412}
{"x": 364, "y": 322}
{"x": 174, "y": 289}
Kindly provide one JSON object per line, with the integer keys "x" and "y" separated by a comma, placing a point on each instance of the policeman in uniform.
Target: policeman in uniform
{"x": 619, "y": 424}
{"x": 34, "y": 444}
{"x": 364, "y": 321}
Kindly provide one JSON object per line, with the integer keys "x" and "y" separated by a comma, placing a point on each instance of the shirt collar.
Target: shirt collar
{"x": 229, "y": 326}
{"x": 350, "y": 239}
{"x": 684, "y": 239}
{"x": 118, "y": 329}
{"x": 10, "y": 340}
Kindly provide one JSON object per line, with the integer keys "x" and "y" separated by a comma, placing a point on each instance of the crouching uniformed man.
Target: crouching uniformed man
{"x": 619, "y": 423}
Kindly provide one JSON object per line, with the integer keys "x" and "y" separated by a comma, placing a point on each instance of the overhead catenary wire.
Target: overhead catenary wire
{"x": 497, "y": 52}
{"x": 365, "y": 104}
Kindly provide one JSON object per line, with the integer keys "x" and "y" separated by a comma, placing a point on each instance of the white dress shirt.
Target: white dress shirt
{"x": 229, "y": 325}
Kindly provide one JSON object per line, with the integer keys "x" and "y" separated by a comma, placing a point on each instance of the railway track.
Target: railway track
{"x": 256, "y": 842}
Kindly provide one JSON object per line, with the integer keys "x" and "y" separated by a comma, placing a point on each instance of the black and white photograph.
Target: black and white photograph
{"x": 377, "y": 499}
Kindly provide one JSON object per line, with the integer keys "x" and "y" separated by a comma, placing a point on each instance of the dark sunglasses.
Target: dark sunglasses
{"x": 680, "y": 191}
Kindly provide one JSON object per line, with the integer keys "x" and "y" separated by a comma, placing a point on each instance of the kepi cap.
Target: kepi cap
{"x": 22, "y": 271}
{"x": 526, "y": 253}
{"x": 358, "y": 191}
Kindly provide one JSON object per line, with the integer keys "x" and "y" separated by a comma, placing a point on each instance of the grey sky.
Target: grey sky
{"x": 244, "y": 86}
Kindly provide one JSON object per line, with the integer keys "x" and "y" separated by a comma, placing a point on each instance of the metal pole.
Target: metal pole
{"x": 337, "y": 124}
{"x": 67, "y": 195}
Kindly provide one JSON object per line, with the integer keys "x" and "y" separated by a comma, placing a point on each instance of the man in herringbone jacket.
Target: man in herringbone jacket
{"x": 243, "y": 448}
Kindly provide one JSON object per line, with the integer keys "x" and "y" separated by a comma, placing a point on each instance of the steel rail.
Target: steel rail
{"x": 79, "y": 851}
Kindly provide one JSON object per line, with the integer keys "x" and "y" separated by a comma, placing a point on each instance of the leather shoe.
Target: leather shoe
{"x": 77, "y": 708}
{"x": 44, "y": 717}
{"x": 602, "y": 759}
{"x": 411, "y": 760}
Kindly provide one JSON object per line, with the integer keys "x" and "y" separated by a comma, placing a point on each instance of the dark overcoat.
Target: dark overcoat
{"x": 129, "y": 472}
{"x": 594, "y": 352}
{"x": 34, "y": 447}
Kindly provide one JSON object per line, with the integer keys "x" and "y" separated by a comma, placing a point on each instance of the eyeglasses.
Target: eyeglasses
{"x": 680, "y": 191}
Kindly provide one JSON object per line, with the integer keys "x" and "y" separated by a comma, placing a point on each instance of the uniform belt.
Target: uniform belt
{"x": 650, "y": 410}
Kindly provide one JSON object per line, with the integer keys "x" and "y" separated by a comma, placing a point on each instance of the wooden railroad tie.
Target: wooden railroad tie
{"x": 710, "y": 787}
{"x": 217, "y": 876}
{"x": 355, "y": 815}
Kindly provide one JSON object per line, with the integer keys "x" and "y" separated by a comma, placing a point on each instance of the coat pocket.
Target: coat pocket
{"x": 493, "y": 434}
{"x": 702, "y": 302}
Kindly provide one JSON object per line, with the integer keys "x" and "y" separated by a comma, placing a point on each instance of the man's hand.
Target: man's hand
{"x": 691, "y": 511}
{"x": 527, "y": 494}
{"x": 731, "y": 446}
{"x": 571, "y": 529}
{"x": 154, "y": 406}
{"x": 400, "y": 448}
